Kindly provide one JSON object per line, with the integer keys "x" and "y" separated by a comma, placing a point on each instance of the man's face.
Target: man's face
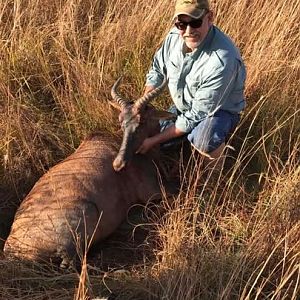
{"x": 194, "y": 36}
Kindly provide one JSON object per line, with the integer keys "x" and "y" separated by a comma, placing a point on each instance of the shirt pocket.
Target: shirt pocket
{"x": 173, "y": 72}
{"x": 193, "y": 87}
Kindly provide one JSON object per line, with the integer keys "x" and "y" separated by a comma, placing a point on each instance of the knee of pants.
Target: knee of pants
{"x": 206, "y": 142}
{"x": 212, "y": 132}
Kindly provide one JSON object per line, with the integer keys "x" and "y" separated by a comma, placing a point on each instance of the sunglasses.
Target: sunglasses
{"x": 194, "y": 24}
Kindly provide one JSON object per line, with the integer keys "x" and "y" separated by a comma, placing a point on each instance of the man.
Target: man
{"x": 206, "y": 77}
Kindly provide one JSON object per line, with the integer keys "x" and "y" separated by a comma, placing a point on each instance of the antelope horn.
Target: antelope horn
{"x": 141, "y": 102}
{"x": 116, "y": 97}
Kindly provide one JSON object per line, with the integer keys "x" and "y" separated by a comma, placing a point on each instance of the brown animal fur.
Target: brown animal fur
{"x": 69, "y": 200}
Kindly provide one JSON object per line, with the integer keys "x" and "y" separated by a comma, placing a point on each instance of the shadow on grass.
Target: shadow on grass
{"x": 8, "y": 207}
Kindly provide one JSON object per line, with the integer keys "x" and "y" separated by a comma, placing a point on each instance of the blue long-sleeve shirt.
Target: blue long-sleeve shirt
{"x": 211, "y": 77}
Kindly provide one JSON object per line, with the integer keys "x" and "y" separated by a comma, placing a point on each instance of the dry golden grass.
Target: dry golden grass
{"x": 236, "y": 239}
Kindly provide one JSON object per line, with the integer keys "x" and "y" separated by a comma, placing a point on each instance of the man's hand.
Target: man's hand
{"x": 166, "y": 135}
{"x": 148, "y": 143}
{"x": 148, "y": 89}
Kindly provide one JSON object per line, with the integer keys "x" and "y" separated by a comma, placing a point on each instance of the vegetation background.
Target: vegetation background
{"x": 236, "y": 240}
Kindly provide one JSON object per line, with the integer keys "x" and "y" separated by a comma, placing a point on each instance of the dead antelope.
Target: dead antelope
{"x": 87, "y": 195}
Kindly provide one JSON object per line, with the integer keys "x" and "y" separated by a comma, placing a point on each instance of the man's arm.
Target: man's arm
{"x": 164, "y": 136}
{"x": 158, "y": 70}
{"x": 148, "y": 89}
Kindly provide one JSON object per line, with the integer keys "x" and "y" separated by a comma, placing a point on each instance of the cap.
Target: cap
{"x": 193, "y": 8}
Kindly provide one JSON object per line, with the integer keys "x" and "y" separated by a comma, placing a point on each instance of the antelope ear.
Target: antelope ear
{"x": 115, "y": 105}
{"x": 164, "y": 115}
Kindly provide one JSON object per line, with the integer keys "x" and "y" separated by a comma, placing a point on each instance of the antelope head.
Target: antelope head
{"x": 139, "y": 121}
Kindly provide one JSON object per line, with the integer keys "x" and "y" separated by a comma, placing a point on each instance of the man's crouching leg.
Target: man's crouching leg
{"x": 209, "y": 140}
{"x": 215, "y": 160}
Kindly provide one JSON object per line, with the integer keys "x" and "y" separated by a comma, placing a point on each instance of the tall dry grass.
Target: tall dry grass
{"x": 235, "y": 239}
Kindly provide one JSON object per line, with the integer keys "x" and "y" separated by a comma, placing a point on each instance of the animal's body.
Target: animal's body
{"x": 74, "y": 196}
